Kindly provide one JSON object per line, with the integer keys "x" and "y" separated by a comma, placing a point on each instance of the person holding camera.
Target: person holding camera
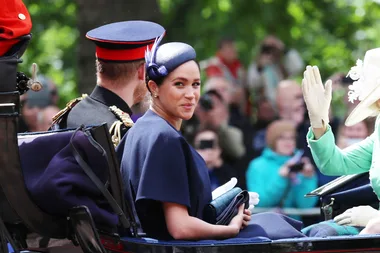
{"x": 206, "y": 143}
{"x": 274, "y": 63}
{"x": 280, "y": 175}
{"x": 213, "y": 113}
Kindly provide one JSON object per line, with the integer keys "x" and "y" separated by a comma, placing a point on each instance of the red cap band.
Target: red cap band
{"x": 122, "y": 54}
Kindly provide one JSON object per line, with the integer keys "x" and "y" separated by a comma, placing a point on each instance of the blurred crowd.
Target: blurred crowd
{"x": 250, "y": 123}
{"x": 38, "y": 108}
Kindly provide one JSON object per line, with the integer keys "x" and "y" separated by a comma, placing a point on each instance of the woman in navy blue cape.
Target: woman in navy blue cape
{"x": 166, "y": 180}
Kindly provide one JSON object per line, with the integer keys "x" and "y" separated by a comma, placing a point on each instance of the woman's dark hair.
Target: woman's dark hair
{"x": 163, "y": 59}
{"x": 160, "y": 80}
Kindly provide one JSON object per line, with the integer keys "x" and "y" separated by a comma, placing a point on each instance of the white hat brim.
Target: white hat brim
{"x": 367, "y": 107}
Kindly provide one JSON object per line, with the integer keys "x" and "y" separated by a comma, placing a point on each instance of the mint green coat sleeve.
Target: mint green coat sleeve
{"x": 333, "y": 161}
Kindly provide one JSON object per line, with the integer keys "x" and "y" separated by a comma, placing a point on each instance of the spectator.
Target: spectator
{"x": 222, "y": 86}
{"x": 349, "y": 135}
{"x": 212, "y": 113}
{"x": 206, "y": 143}
{"x": 265, "y": 114}
{"x": 289, "y": 101}
{"x": 34, "y": 102}
{"x": 29, "y": 117}
{"x": 45, "y": 116}
{"x": 227, "y": 64}
{"x": 48, "y": 95}
{"x": 226, "y": 90}
{"x": 289, "y": 90}
{"x": 279, "y": 180}
{"x": 273, "y": 64}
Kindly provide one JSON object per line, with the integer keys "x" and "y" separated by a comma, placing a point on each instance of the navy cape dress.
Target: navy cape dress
{"x": 158, "y": 165}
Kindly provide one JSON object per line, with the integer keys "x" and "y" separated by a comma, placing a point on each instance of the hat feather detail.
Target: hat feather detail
{"x": 153, "y": 70}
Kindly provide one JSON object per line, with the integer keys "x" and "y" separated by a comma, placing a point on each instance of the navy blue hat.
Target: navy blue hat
{"x": 161, "y": 60}
{"x": 124, "y": 41}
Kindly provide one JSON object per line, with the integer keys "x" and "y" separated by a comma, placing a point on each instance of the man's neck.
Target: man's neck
{"x": 124, "y": 91}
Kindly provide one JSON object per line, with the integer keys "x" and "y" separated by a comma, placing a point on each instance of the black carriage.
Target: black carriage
{"x": 20, "y": 215}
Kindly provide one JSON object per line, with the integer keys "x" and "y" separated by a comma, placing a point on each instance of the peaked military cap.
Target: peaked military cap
{"x": 163, "y": 59}
{"x": 124, "y": 41}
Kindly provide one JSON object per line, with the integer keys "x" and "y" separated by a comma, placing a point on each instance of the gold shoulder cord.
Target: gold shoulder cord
{"x": 68, "y": 108}
{"x": 115, "y": 129}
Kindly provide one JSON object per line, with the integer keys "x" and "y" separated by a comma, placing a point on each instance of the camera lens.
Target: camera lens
{"x": 205, "y": 102}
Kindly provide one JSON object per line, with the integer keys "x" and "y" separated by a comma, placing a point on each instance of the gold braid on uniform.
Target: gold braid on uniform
{"x": 67, "y": 109}
{"x": 115, "y": 129}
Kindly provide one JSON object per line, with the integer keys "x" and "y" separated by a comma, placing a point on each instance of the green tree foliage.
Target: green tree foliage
{"x": 329, "y": 33}
{"x": 53, "y": 45}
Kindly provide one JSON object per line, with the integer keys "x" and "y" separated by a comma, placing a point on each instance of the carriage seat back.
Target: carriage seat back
{"x": 55, "y": 180}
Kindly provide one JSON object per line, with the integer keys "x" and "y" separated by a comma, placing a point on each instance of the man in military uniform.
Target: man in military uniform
{"x": 120, "y": 71}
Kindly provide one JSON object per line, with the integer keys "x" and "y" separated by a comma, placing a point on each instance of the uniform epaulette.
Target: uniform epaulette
{"x": 67, "y": 109}
{"x": 122, "y": 116}
{"x": 123, "y": 120}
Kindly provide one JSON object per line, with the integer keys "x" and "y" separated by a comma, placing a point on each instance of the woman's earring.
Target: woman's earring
{"x": 155, "y": 95}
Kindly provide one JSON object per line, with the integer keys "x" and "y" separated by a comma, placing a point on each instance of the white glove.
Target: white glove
{"x": 357, "y": 216}
{"x": 224, "y": 188}
{"x": 253, "y": 200}
{"x": 317, "y": 97}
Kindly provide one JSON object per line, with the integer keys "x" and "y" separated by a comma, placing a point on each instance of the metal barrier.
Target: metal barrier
{"x": 315, "y": 211}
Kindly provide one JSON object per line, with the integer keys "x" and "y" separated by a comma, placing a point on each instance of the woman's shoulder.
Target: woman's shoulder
{"x": 257, "y": 168}
{"x": 257, "y": 163}
{"x": 267, "y": 158}
{"x": 266, "y": 155}
{"x": 148, "y": 119}
{"x": 152, "y": 126}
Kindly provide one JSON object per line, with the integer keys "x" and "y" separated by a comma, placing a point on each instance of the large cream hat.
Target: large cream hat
{"x": 366, "y": 87}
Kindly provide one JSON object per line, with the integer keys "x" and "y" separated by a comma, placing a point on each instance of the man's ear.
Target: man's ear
{"x": 141, "y": 72}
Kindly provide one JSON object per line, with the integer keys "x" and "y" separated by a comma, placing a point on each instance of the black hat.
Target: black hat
{"x": 161, "y": 60}
{"x": 43, "y": 97}
{"x": 124, "y": 41}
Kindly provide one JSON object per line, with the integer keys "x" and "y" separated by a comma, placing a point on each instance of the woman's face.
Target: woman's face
{"x": 357, "y": 131}
{"x": 266, "y": 112}
{"x": 179, "y": 93}
{"x": 286, "y": 144}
